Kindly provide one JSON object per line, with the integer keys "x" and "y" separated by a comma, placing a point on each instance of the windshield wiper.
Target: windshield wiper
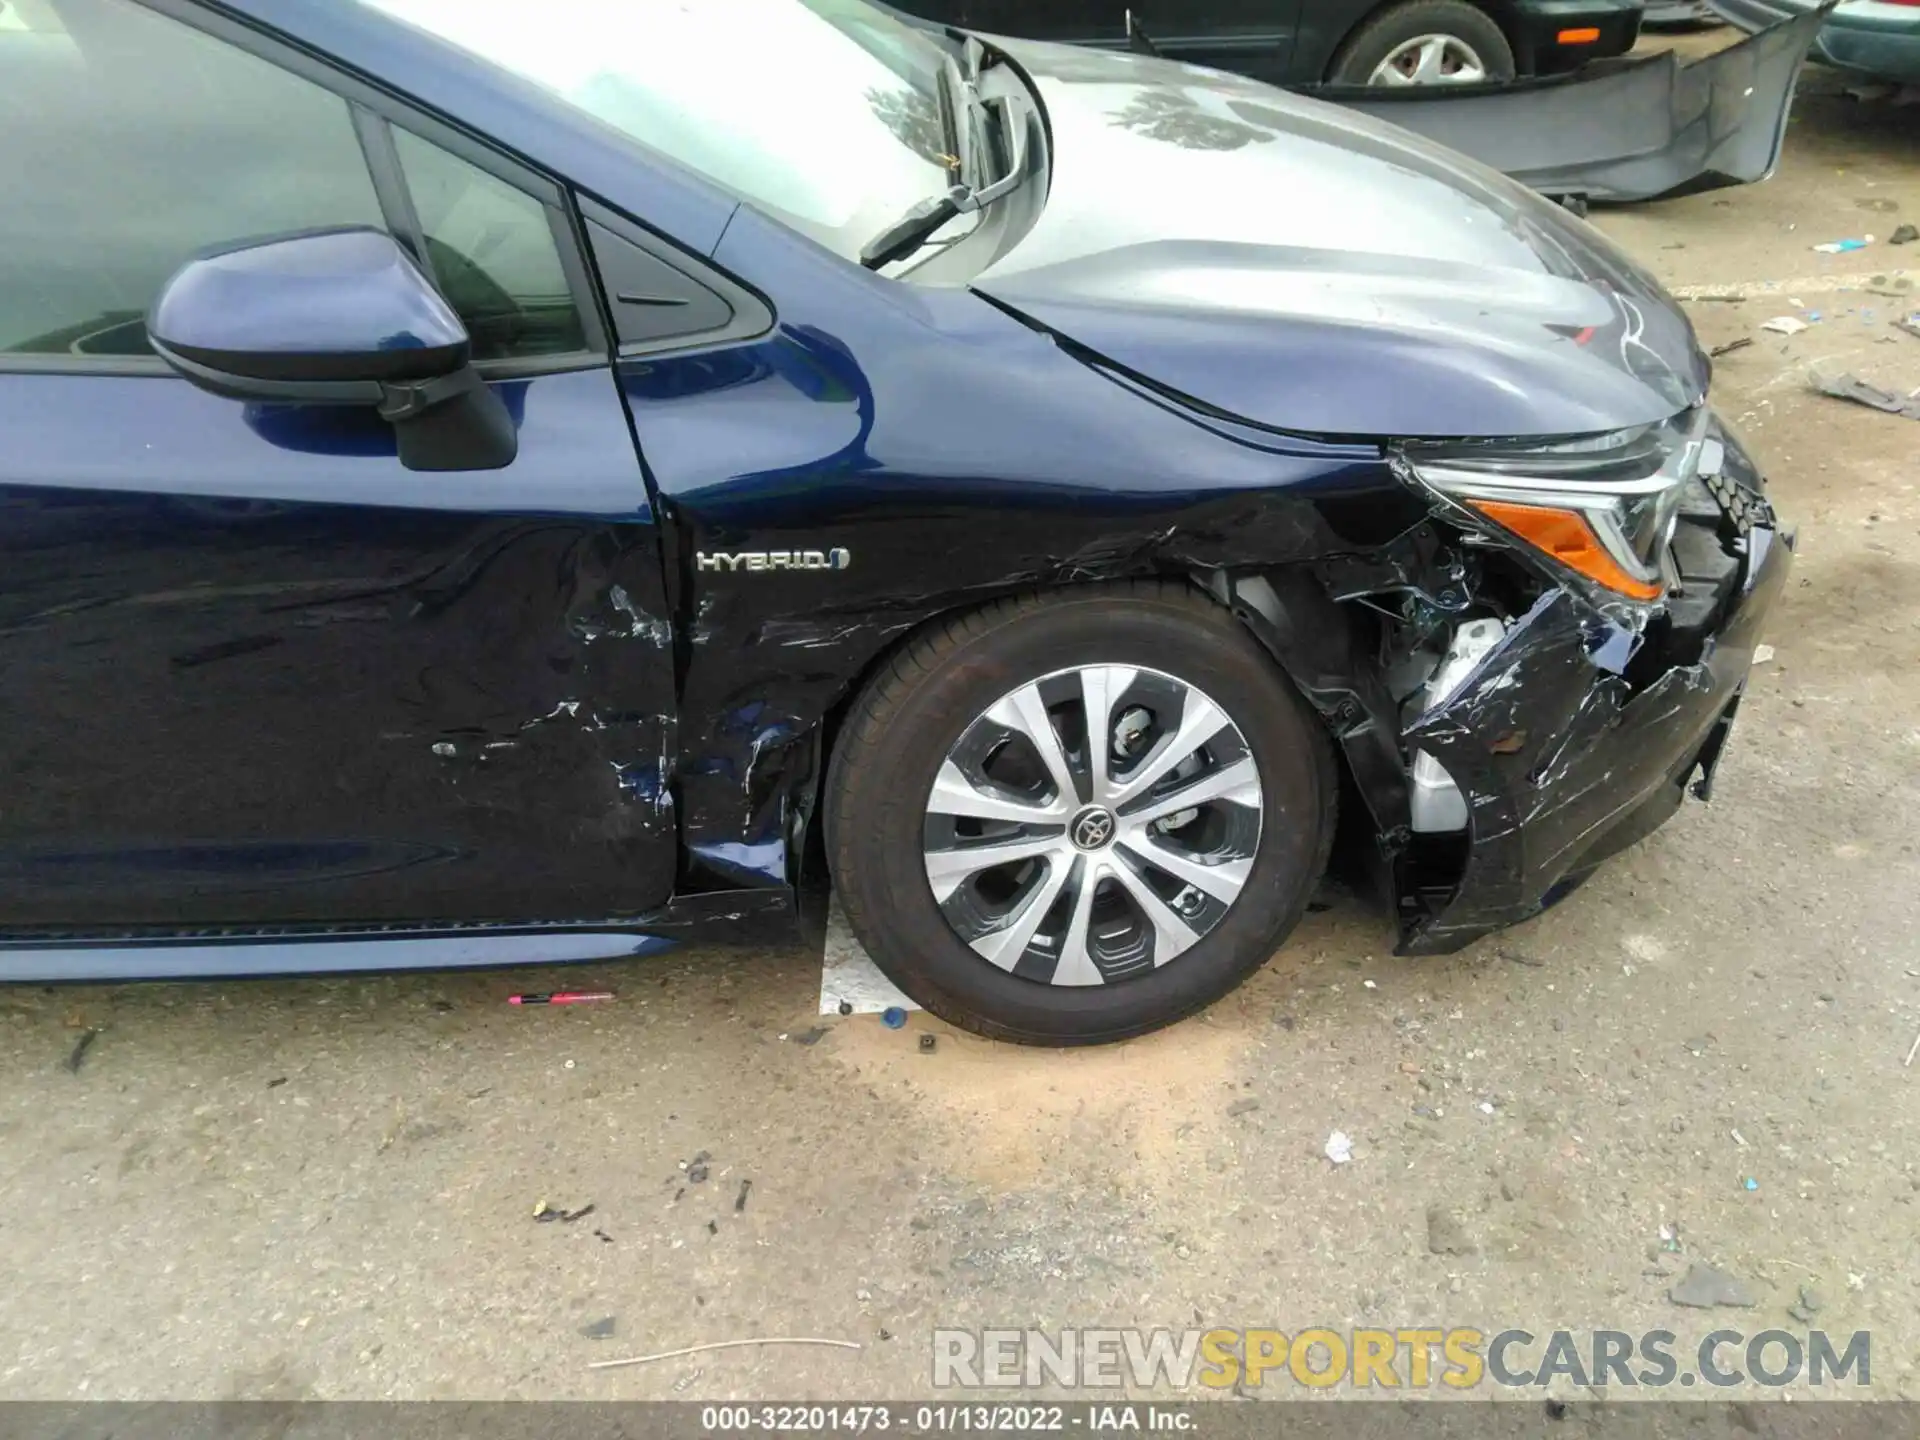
{"x": 975, "y": 55}
{"x": 958, "y": 106}
{"x": 919, "y": 224}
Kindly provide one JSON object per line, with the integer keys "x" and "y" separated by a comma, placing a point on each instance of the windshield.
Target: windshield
{"x": 824, "y": 113}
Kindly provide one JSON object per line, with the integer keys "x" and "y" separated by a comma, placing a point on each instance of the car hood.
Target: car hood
{"x": 1308, "y": 269}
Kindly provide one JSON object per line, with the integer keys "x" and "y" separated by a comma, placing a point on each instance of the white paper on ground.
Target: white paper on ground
{"x": 848, "y": 974}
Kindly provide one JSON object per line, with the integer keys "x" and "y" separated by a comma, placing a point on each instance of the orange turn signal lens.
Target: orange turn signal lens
{"x": 1568, "y": 538}
{"x": 1585, "y": 36}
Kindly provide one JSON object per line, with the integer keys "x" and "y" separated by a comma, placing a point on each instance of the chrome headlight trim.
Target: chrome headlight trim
{"x": 1628, "y": 484}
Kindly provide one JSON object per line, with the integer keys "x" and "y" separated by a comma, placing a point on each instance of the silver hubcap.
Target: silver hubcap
{"x": 1431, "y": 60}
{"x": 1092, "y": 825}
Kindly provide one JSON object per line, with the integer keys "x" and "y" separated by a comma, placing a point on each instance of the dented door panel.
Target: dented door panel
{"x": 287, "y": 681}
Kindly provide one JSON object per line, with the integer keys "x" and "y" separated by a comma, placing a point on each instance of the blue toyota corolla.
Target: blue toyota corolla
{"x": 486, "y": 484}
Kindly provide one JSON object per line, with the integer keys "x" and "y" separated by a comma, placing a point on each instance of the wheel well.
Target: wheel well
{"x": 1211, "y": 584}
{"x": 1504, "y": 13}
{"x": 813, "y": 859}
{"x": 1501, "y": 12}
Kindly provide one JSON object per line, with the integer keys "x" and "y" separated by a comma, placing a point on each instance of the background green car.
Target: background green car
{"x": 1880, "y": 38}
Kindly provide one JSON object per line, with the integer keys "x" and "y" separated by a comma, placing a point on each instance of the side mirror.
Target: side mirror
{"x": 335, "y": 317}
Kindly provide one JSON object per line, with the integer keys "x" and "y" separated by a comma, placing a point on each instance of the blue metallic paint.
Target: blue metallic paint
{"x": 863, "y": 427}
{"x": 335, "y": 299}
{"x": 168, "y": 438}
{"x": 276, "y": 677}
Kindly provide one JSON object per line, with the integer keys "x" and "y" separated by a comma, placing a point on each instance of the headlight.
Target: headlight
{"x": 1602, "y": 505}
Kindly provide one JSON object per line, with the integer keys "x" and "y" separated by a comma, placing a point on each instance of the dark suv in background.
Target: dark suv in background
{"x": 1339, "y": 42}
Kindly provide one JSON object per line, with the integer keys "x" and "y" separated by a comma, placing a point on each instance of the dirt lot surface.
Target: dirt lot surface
{"x": 327, "y": 1189}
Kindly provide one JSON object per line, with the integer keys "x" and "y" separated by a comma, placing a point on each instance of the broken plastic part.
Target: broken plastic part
{"x": 1471, "y": 640}
{"x": 1861, "y": 392}
{"x": 1626, "y": 128}
{"x": 1436, "y": 803}
{"x": 1438, "y": 806}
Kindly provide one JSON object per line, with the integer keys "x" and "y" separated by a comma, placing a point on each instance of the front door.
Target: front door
{"x": 1253, "y": 37}
{"x": 1248, "y": 37}
{"x": 254, "y": 672}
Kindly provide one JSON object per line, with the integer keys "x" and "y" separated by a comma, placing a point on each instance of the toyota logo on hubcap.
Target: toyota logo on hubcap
{"x": 1092, "y": 829}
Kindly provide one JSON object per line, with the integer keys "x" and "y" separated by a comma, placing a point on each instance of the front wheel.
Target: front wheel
{"x": 1425, "y": 42}
{"x": 1080, "y": 816}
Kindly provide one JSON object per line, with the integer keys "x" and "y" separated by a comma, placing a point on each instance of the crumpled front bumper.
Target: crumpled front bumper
{"x": 1619, "y": 130}
{"x": 1570, "y": 741}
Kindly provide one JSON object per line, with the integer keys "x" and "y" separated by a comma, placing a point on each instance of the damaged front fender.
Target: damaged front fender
{"x": 1620, "y": 130}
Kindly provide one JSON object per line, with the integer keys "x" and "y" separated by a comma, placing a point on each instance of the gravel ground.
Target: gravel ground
{"x": 327, "y": 1188}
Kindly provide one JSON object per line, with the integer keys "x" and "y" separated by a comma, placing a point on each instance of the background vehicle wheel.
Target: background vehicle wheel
{"x": 1079, "y": 816}
{"x": 1427, "y": 42}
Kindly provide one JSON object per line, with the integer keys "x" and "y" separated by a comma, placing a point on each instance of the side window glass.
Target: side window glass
{"x": 492, "y": 251}
{"x": 133, "y": 141}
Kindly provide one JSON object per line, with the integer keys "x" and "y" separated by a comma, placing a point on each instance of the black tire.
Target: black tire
{"x": 1386, "y": 32}
{"x": 914, "y": 711}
